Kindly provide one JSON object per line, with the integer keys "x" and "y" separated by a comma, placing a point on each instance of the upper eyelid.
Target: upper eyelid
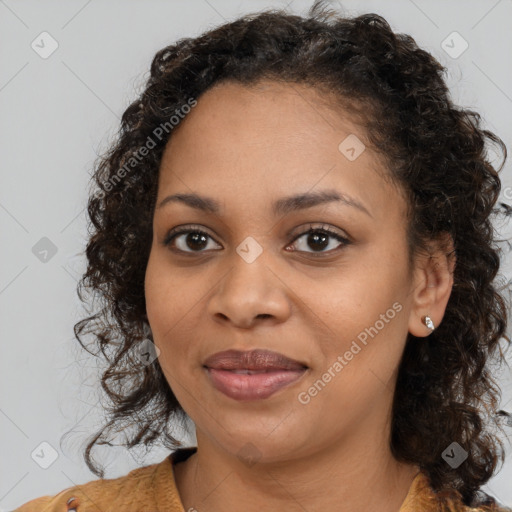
{"x": 315, "y": 226}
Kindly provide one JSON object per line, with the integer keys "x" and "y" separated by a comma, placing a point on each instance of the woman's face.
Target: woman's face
{"x": 256, "y": 281}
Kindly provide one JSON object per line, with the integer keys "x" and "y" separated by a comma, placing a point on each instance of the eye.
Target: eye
{"x": 318, "y": 237}
{"x": 198, "y": 239}
{"x": 195, "y": 238}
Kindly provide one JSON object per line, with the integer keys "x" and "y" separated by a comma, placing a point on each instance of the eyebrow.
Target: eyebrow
{"x": 279, "y": 207}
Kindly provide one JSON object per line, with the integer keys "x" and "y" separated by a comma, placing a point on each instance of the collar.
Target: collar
{"x": 165, "y": 489}
{"x": 421, "y": 496}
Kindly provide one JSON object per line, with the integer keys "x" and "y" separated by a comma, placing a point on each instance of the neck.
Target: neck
{"x": 357, "y": 473}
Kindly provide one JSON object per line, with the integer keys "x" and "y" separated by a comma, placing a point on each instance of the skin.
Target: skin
{"x": 246, "y": 147}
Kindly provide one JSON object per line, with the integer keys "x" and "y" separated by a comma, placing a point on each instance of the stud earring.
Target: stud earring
{"x": 428, "y": 322}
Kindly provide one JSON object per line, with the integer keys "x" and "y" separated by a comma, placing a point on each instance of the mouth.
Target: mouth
{"x": 253, "y": 375}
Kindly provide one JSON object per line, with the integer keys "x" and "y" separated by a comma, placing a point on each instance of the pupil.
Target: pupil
{"x": 195, "y": 237}
{"x": 313, "y": 237}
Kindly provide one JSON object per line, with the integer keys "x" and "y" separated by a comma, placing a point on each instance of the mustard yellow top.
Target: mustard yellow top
{"x": 153, "y": 489}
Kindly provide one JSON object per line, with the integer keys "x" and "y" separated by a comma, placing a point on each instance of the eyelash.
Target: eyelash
{"x": 174, "y": 233}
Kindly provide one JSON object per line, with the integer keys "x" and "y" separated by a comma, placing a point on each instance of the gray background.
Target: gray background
{"x": 59, "y": 113}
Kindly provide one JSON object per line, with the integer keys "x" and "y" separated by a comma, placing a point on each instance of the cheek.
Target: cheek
{"x": 156, "y": 291}
{"x": 368, "y": 327}
{"x": 352, "y": 301}
{"x": 357, "y": 377}
{"x": 167, "y": 297}
{"x": 172, "y": 306}
{"x": 162, "y": 306}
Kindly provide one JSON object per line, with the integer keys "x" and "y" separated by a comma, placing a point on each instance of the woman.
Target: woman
{"x": 297, "y": 221}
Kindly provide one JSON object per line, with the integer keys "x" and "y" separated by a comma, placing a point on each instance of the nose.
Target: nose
{"x": 249, "y": 293}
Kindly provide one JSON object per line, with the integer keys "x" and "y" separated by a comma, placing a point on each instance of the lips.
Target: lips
{"x": 254, "y": 361}
{"x": 254, "y": 375}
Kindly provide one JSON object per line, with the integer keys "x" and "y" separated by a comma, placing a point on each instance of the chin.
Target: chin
{"x": 264, "y": 446}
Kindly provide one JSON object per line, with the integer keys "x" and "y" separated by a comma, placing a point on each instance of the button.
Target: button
{"x": 72, "y": 504}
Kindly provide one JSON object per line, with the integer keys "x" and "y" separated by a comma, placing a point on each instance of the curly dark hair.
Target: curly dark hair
{"x": 434, "y": 151}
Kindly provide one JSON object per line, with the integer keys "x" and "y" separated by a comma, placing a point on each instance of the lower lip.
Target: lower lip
{"x": 258, "y": 386}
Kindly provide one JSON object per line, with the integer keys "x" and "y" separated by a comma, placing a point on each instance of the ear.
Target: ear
{"x": 432, "y": 284}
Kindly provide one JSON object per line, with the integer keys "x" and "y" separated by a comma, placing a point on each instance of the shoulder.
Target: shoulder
{"x": 485, "y": 503}
{"x": 422, "y": 497}
{"x": 139, "y": 485}
{"x": 491, "y": 507}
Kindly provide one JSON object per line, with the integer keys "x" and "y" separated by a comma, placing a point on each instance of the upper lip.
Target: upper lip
{"x": 252, "y": 360}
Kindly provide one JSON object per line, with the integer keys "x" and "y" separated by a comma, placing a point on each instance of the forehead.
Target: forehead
{"x": 256, "y": 141}
{"x": 264, "y": 112}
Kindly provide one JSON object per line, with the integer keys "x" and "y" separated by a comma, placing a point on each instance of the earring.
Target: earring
{"x": 428, "y": 322}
